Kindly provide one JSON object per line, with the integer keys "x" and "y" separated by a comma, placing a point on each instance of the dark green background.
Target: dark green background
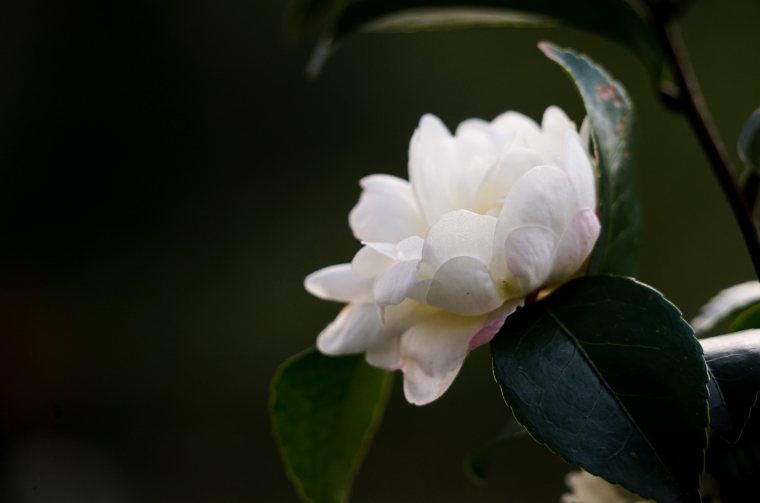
{"x": 167, "y": 179}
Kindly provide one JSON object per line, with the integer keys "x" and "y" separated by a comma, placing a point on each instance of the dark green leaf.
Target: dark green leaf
{"x": 746, "y": 320}
{"x": 606, "y": 373}
{"x": 726, "y": 304}
{"x": 737, "y": 466}
{"x": 613, "y": 128}
{"x": 620, "y": 20}
{"x": 749, "y": 141}
{"x": 734, "y": 363}
{"x": 324, "y": 413}
{"x": 478, "y": 462}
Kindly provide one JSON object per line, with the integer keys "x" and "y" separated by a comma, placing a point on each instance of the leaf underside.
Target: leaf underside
{"x": 324, "y": 413}
{"x": 613, "y": 124}
{"x": 619, "y": 20}
{"x": 606, "y": 373}
{"x": 734, "y": 363}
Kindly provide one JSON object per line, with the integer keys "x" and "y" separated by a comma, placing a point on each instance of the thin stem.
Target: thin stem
{"x": 690, "y": 101}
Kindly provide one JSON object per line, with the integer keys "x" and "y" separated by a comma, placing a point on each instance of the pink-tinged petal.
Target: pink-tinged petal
{"x": 356, "y": 328}
{"x": 337, "y": 282}
{"x": 574, "y": 246}
{"x": 459, "y": 233}
{"x": 387, "y": 354}
{"x": 372, "y": 259}
{"x": 433, "y": 352}
{"x": 387, "y": 211}
{"x": 486, "y": 334}
{"x": 530, "y": 250}
{"x": 580, "y": 171}
{"x": 393, "y": 285}
{"x": 463, "y": 286}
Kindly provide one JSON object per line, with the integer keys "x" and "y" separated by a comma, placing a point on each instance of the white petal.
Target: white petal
{"x": 433, "y": 352}
{"x": 554, "y": 125}
{"x": 512, "y": 122}
{"x": 337, "y": 282}
{"x": 542, "y": 197}
{"x": 409, "y": 312}
{"x": 410, "y": 248}
{"x": 509, "y": 168}
{"x": 387, "y": 211}
{"x": 387, "y": 354}
{"x": 574, "y": 246}
{"x": 529, "y": 255}
{"x": 373, "y": 259}
{"x": 459, "y": 233}
{"x": 356, "y": 328}
{"x": 429, "y": 181}
{"x": 393, "y": 284}
{"x": 580, "y": 171}
{"x": 463, "y": 286}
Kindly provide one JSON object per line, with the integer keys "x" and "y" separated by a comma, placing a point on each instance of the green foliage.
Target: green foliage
{"x": 606, "y": 373}
{"x": 737, "y": 466}
{"x": 613, "y": 124}
{"x": 746, "y": 320}
{"x": 623, "y": 21}
{"x": 725, "y": 305}
{"x": 734, "y": 363}
{"x": 324, "y": 413}
{"x": 749, "y": 142}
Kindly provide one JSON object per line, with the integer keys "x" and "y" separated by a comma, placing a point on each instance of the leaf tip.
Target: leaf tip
{"x": 549, "y": 49}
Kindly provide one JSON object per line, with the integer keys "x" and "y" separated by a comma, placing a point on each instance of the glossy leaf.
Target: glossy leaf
{"x": 749, "y": 141}
{"x": 324, "y": 413}
{"x": 606, "y": 373}
{"x": 620, "y": 20}
{"x": 613, "y": 122}
{"x": 734, "y": 363}
{"x": 726, "y": 304}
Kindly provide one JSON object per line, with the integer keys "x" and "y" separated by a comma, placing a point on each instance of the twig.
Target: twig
{"x": 688, "y": 99}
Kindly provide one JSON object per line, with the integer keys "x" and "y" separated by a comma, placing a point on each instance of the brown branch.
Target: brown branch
{"x": 687, "y": 98}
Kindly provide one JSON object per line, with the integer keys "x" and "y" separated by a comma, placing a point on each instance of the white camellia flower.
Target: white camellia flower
{"x": 490, "y": 215}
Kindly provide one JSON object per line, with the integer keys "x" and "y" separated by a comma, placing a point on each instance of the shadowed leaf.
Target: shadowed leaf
{"x": 324, "y": 413}
{"x": 726, "y": 304}
{"x": 606, "y": 373}
{"x": 613, "y": 122}
{"x": 749, "y": 141}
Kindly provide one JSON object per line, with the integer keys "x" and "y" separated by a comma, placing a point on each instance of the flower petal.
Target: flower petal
{"x": 554, "y": 124}
{"x": 580, "y": 171}
{"x": 433, "y": 352}
{"x": 356, "y": 328}
{"x": 337, "y": 282}
{"x": 410, "y": 248}
{"x": 463, "y": 286}
{"x": 512, "y": 122}
{"x": 529, "y": 255}
{"x": 386, "y": 354}
{"x": 387, "y": 211}
{"x": 509, "y": 168}
{"x": 459, "y": 233}
{"x": 574, "y": 246}
{"x": 393, "y": 285}
{"x": 541, "y": 197}
{"x": 372, "y": 259}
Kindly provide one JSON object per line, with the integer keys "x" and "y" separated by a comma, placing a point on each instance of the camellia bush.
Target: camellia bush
{"x": 525, "y": 237}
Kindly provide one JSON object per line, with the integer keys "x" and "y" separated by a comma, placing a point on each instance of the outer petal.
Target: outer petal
{"x": 387, "y": 211}
{"x": 512, "y": 122}
{"x": 410, "y": 248}
{"x": 459, "y": 233}
{"x": 337, "y": 282}
{"x": 554, "y": 125}
{"x": 373, "y": 259}
{"x": 356, "y": 328}
{"x": 530, "y": 250}
{"x": 574, "y": 246}
{"x": 463, "y": 286}
{"x": 393, "y": 285}
{"x": 580, "y": 171}
{"x": 387, "y": 354}
{"x": 433, "y": 352}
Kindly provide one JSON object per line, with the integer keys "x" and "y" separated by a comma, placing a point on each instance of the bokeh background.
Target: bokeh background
{"x": 168, "y": 176}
